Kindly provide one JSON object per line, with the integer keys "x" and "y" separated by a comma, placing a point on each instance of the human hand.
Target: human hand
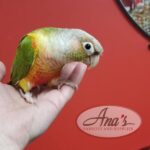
{"x": 21, "y": 122}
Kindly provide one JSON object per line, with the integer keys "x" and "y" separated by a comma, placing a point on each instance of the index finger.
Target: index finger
{"x": 75, "y": 77}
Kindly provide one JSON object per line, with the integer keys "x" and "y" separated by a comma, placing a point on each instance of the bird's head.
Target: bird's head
{"x": 84, "y": 47}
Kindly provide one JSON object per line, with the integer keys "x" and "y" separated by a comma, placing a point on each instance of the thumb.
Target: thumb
{"x": 2, "y": 70}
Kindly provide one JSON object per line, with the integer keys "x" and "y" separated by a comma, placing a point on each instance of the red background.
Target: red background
{"x": 122, "y": 78}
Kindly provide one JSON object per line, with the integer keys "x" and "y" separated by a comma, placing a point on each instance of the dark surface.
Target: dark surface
{"x": 132, "y": 20}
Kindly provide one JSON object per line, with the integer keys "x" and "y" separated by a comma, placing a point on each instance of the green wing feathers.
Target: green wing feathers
{"x": 23, "y": 61}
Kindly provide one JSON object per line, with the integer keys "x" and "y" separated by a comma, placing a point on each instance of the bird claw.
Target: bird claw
{"x": 27, "y": 96}
{"x": 68, "y": 83}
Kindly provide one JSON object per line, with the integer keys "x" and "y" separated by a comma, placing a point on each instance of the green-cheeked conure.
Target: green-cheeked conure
{"x": 42, "y": 53}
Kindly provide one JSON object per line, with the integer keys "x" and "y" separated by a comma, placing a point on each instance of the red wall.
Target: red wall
{"x": 122, "y": 78}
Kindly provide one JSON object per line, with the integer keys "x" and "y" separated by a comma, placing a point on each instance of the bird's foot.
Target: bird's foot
{"x": 27, "y": 96}
{"x": 58, "y": 83}
{"x": 68, "y": 83}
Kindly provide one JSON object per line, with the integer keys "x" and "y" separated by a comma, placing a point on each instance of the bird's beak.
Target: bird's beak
{"x": 95, "y": 57}
{"x": 92, "y": 60}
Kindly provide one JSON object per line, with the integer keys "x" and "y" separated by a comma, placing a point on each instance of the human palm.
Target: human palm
{"x": 21, "y": 122}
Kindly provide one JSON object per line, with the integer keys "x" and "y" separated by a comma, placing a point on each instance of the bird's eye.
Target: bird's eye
{"x": 88, "y": 47}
